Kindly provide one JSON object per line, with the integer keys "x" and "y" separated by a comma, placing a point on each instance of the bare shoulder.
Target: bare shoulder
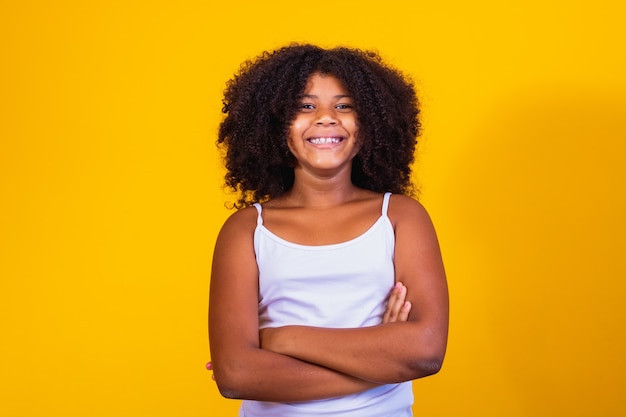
{"x": 233, "y": 255}
{"x": 242, "y": 222}
{"x": 403, "y": 209}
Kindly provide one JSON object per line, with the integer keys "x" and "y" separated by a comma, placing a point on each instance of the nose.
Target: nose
{"x": 325, "y": 117}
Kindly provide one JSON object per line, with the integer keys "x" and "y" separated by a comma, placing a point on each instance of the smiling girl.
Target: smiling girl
{"x": 328, "y": 292}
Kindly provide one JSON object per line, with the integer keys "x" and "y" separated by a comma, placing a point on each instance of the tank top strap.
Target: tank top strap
{"x": 385, "y": 204}
{"x": 259, "y": 209}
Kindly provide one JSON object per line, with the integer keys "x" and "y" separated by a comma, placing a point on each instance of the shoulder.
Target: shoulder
{"x": 242, "y": 222}
{"x": 409, "y": 215}
{"x": 402, "y": 207}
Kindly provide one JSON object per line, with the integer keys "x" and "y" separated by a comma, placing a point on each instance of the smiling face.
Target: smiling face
{"x": 322, "y": 137}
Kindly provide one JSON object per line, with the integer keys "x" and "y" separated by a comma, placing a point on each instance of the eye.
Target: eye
{"x": 307, "y": 107}
{"x": 344, "y": 107}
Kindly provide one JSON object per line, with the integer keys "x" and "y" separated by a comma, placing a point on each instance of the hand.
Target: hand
{"x": 398, "y": 308}
{"x": 209, "y": 367}
{"x": 267, "y": 339}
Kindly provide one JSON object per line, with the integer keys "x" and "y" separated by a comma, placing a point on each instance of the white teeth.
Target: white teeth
{"x": 324, "y": 141}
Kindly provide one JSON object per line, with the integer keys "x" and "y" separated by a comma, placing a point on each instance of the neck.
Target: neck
{"x": 322, "y": 192}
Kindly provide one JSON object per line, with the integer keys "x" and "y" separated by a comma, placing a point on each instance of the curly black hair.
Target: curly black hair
{"x": 261, "y": 101}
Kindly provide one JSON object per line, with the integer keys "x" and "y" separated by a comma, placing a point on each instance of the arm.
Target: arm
{"x": 397, "y": 309}
{"x": 390, "y": 352}
{"x": 241, "y": 368}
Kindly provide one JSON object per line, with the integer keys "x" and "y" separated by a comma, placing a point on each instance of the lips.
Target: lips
{"x": 325, "y": 140}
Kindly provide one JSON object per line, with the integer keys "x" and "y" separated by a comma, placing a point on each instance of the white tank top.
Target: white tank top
{"x": 343, "y": 285}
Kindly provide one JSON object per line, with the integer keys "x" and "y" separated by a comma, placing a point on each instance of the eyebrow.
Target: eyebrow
{"x": 314, "y": 96}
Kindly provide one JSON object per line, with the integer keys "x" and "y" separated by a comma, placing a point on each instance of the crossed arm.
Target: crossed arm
{"x": 298, "y": 363}
{"x": 397, "y": 310}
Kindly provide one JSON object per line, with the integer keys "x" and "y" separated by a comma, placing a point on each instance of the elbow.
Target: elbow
{"x": 226, "y": 388}
{"x": 236, "y": 375}
{"x": 230, "y": 383}
{"x": 415, "y": 368}
{"x": 420, "y": 368}
{"x": 428, "y": 357}
{"x": 427, "y": 366}
{"x": 229, "y": 392}
{"x": 427, "y": 363}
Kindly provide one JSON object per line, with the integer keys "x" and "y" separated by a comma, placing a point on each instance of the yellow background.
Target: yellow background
{"x": 110, "y": 196}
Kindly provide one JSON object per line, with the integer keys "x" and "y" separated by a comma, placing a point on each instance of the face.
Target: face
{"x": 322, "y": 137}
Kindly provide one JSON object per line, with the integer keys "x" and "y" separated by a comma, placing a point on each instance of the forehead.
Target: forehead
{"x": 319, "y": 84}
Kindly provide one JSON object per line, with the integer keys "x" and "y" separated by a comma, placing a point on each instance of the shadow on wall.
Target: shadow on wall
{"x": 541, "y": 188}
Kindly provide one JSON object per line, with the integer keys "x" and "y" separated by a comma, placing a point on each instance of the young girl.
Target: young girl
{"x": 328, "y": 293}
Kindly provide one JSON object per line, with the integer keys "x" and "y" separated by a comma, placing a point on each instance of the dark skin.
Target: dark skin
{"x": 397, "y": 309}
{"x": 299, "y": 363}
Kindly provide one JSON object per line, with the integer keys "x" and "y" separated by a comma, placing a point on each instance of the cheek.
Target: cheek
{"x": 296, "y": 132}
{"x": 297, "y": 126}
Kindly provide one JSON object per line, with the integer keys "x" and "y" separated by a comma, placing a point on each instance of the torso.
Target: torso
{"x": 339, "y": 281}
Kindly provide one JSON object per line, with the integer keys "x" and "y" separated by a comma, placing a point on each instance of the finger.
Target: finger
{"x": 398, "y": 303}
{"x": 209, "y": 367}
{"x": 395, "y": 303}
{"x": 404, "y": 311}
{"x": 390, "y": 302}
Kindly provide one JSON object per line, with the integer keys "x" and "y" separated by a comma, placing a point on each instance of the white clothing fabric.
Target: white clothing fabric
{"x": 342, "y": 285}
